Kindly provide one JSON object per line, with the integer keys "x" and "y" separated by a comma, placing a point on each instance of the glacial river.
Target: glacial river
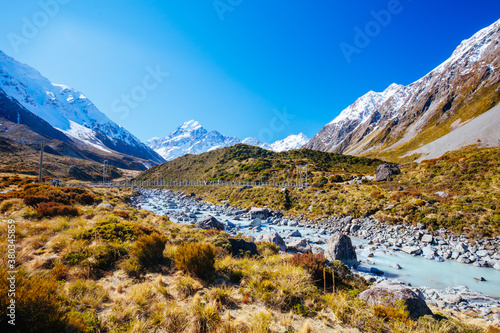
{"x": 414, "y": 269}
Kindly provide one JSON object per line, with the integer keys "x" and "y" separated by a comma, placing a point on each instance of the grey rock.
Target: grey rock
{"x": 295, "y": 233}
{"x": 262, "y": 213}
{"x": 209, "y": 223}
{"x": 299, "y": 246}
{"x": 339, "y": 247}
{"x": 411, "y": 250}
{"x": 389, "y": 294}
{"x": 257, "y": 222}
{"x": 427, "y": 239}
{"x": 386, "y": 170}
{"x": 105, "y": 206}
{"x": 274, "y": 238}
{"x": 442, "y": 194}
{"x": 317, "y": 250}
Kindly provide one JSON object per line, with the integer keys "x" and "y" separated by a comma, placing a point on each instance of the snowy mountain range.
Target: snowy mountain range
{"x": 402, "y": 120}
{"x": 192, "y": 138}
{"x": 69, "y": 111}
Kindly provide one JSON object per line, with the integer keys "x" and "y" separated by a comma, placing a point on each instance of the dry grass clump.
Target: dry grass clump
{"x": 281, "y": 285}
{"x": 196, "y": 259}
{"x": 52, "y": 209}
{"x": 146, "y": 254}
{"x": 87, "y": 293}
{"x": 39, "y": 307}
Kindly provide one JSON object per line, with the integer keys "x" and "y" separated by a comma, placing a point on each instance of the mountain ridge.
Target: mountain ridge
{"x": 68, "y": 110}
{"x": 398, "y": 120}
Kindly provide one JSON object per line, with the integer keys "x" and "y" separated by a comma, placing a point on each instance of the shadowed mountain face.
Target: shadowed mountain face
{"x": 24, "y": 130}
{"x": 399, "y": 120}
{"x": 69, "y": 111}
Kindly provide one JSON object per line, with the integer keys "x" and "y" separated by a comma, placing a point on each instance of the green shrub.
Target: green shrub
{"x": 113, "y": 229}
{"x": 196, "y": 259}
{"x": 103, "y": 257}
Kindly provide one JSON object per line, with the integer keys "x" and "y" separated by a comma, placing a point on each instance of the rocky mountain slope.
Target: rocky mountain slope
{"x": 21, "y": 133}
{"x": 396, "y": 122}
{"x": 192, "y": 138}
{"x": 69, "y": 111}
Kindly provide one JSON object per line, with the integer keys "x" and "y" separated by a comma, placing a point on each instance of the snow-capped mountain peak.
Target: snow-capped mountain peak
{"x": 192, "y": 138}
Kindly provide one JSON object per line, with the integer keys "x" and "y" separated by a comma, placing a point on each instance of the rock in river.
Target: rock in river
{"x": 274, "y": 238}
{"x": 299, "y": 246}
{"x": 210, "y": 222}
{"x": 339, "y": 247}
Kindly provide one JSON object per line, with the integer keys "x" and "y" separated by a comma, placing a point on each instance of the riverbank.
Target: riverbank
{"x": 373, "y": 239}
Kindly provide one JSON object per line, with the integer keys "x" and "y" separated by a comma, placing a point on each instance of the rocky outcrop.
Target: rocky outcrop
{"x": 386, "y": 170}
{"x": 209, "y": 223}
{"x": 339, "y": 247}
{"x": 274, "y": 238}
{"x": 390, "y": 294}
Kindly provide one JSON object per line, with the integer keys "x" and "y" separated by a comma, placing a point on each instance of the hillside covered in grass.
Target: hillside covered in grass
{"x": 111, "y": 268}
{"x": 248, "y": 163}
{"x": 470, "y": 202}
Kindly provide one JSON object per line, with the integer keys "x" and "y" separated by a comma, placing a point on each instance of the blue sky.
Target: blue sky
{"x": 245, "y": 68}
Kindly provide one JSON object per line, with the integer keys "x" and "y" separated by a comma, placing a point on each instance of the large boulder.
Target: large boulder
{"x": 209, "y": 223}
{"x": 274, "y": 238}
{"x": 299, "y": 246}
{"x": 242, "y": 247}
{"x": 386, "y": 170}
{"x": 339, "y": 247}
{"x": 262, "y": 213}
{"x": 389, "y": 294}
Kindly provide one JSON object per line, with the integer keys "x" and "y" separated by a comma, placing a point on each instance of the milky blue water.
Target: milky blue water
{"x": 415, "y": 269}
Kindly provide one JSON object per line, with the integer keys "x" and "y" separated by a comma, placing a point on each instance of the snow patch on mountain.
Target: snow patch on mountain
{"x": 290, "y": 142}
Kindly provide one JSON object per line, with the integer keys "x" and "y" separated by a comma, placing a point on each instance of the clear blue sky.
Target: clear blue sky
{"x": 231, "y": 73}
